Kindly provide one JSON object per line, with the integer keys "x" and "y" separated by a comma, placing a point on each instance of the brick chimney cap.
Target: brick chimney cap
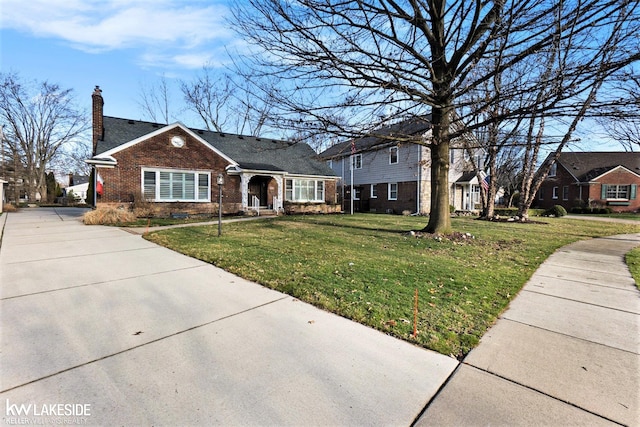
{"x": 97, "y": 90}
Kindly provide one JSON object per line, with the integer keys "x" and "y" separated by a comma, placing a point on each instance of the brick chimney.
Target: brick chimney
{"x": 98, "y": 123}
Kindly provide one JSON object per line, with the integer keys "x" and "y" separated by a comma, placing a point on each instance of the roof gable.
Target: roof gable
{"x": 378, "y": 138}
{"x": 587, "y": 166}
{"x": 613, "y": 169}
{"x": 246, "y": 152}
{"x": 160, "y": 131}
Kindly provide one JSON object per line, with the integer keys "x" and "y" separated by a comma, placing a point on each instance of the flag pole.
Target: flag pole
{"x": 353, "y": 190}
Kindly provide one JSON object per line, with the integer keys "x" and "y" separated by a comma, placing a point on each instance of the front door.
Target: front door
{"x": 258, "y": 188}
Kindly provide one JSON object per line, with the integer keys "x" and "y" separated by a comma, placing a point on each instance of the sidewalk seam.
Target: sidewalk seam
{"x": 581, "y": 302}
{"x": 571, "y": 336}
{"x": 101, "y": 282}
{"x": 442, "y": 386}
{"x": 144, "y": 344}
{"x": 542, "y": 393}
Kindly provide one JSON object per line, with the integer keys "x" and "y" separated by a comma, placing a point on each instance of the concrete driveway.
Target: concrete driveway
{"x": 101, "y": 327}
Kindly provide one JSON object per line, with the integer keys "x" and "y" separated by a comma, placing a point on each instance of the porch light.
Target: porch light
{"x": 220, "y": 182}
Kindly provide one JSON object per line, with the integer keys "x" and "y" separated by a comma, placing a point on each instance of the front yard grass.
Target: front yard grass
{"x": 366, "y": 267}
{"x": 633, "y": 261}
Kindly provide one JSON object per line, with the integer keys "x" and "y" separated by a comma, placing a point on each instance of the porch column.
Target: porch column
{"x": 280, "y": 182}
{"x": 244, "y": 187}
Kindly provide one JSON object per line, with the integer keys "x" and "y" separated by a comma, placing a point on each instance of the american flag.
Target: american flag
{"x": 353, "y": 147}
{"x": 484, "y": 182}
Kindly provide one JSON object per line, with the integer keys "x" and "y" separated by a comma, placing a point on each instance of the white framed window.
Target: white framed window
{"x": 393, "y": 155}
{"x": 393, "y": 191}
{"x": 374, "y": 191}
{"x": 554, "y": 195}
{"x": 475, "y": 194}
{"x": 554, "y": 170}
{"x": 330, "y": 163}
{"x": 357, "y": 192}
{"x": 565, "y": 192}
{"x": 166, "y": 185}
{"x": 616, "y": 192}
{"x": 304, "y": 190}
{"x": 357, "y": 161}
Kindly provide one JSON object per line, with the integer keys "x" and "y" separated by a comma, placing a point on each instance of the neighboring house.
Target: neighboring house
{"x": 79, "y": 185}
{"x": 177, "y": 168}
{"x": 394, "y": 177}
{"x": 596, "y": 179}
{"x": 79, "y": 192}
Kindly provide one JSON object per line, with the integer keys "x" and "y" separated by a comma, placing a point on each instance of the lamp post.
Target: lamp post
{"x": 220, "y": 182}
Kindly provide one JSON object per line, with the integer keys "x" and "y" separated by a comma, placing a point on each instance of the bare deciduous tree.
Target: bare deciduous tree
{"x": 622, "y": 120}
{"x": 365, "y": 58}
{"x": 227, "y": 102}
{"x": 39, "y": 119}
{"x": 155, "y": 101}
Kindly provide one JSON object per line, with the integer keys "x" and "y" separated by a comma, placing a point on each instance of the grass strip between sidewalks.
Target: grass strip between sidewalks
{"x": 366, "y": 267}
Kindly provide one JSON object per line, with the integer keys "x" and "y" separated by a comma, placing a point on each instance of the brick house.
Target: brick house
{"x": 393, "y": 177}
{"x": 595, "y": 179}
{"x": 177, "y": 169}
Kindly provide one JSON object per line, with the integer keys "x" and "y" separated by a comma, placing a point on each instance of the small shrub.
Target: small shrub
{"x": 556, "y": 211}
{"x": 108, "y": 215}
{"x": 452, "y": 209}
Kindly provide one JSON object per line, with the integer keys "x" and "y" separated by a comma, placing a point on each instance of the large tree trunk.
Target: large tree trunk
{"x": 440, "y": 217}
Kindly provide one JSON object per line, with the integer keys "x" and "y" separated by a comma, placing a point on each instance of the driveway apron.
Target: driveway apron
{"x": 101, "y": 327}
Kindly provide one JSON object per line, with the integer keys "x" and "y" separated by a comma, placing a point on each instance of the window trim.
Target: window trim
{"x": 565, "y": 192}
{"x": 373, "y": 191}
{"x": 357, "y": 161}
{"x": 196, "y": 184}
{"x": 389, "y": 191}
{"x": 356, "y": 193}
{"x": 391, "y": 155}
{"x": 629, "y": 193}
{"x": 554, "y": 193}
{"x": 290, "y": 190}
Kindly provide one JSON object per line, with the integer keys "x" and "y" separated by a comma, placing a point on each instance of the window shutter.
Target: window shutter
{"x": 603, "y": 194}
{"x": 634, "y": 191}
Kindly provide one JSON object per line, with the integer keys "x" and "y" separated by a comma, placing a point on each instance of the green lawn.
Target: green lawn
{"x": 367, "y": 267}
{"x": 633, "y": 261}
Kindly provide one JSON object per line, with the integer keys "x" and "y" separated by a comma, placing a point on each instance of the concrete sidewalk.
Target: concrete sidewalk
{"x": 144, "y": 336}
{"x": 566, "y": 352}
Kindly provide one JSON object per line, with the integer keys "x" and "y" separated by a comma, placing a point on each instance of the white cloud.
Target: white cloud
{"x": 181, "y": 30}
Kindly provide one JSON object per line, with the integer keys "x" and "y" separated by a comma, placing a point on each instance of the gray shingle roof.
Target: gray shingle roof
{"x": 589, "y": 165}
{"x": 414, "y": 127}
{"x": 248, "y": 151}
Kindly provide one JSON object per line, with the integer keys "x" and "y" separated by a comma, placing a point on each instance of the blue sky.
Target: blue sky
{"x": 123, "y": 45}
{"x": 119, "y": 45}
